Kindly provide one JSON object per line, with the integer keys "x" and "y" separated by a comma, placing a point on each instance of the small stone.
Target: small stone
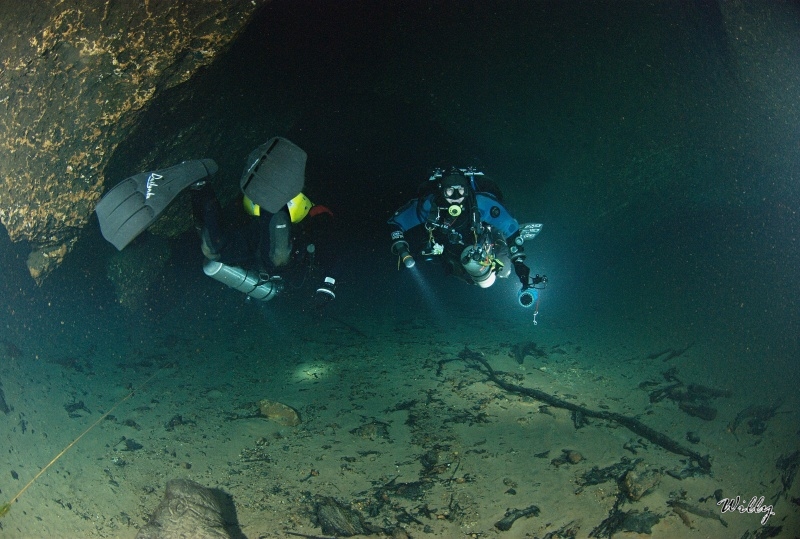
{"x": 640, "y": 481}
{"x": 574, "y": 457}
{"x": 279, "y": 413}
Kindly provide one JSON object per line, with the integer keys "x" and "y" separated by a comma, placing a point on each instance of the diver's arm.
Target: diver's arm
{"x": 401, "y": 249}
{"x": 410, "y": 215}
{"x": 496, "y": 215}
{"x": 517, "y": 256}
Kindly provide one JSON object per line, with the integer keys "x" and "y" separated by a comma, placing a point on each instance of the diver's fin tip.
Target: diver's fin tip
{"x": 123, "y": 215}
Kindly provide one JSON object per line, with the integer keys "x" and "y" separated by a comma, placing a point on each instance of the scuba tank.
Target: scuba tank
{"x": 479, "y": 260}
{"x": 247, "y": 281}
{"x": 479, "y": 266}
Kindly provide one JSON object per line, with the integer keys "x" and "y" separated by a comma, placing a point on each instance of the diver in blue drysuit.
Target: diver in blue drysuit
{"x": 468, "y": 230}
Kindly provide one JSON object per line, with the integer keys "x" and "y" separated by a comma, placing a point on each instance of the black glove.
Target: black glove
{"x": 523, "y": 272}
{"x": 325, "y": 293}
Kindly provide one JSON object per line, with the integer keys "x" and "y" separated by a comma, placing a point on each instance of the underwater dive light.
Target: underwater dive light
{"x": 527, "y": 297}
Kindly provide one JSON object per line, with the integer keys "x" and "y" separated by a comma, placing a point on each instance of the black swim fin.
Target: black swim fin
{"x": 274, "y": 174}
{"x": 135, "y": 203}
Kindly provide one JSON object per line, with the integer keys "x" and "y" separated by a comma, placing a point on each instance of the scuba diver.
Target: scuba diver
{"x": 288, "y": 242}
{"x": 468, "y": 230}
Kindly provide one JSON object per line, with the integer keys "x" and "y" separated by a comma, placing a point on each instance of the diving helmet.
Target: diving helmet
{"x": 298, "y": 207}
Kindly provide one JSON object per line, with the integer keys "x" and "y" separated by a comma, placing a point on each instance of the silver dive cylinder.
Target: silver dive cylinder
{"x": 247, "y": 281}
{"x": 482, "y": 275}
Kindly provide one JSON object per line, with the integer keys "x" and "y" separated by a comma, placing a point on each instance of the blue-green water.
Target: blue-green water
{"x": 660, "y": 153}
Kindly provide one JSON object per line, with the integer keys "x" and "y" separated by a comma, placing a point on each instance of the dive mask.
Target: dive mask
{"x": 454, "y": 194}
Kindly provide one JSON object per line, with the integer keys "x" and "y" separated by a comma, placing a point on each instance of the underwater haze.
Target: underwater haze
{"x": 652, "y": 383}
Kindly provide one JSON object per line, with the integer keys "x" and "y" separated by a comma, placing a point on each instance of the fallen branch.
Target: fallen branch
{"x": 630, "y": 423}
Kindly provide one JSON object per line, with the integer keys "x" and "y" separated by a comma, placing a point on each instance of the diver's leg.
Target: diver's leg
{"x": 280, "y": 239}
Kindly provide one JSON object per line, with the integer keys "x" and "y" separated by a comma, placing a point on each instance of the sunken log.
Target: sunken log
{"x": 630, "y": 423}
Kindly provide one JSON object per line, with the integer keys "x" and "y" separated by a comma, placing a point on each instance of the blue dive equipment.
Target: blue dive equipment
{"x": 247, "y": 281}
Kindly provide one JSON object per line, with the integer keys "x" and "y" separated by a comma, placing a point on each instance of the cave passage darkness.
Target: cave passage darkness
{"x": 618, "y": 132}
{"x": 595, "y": 119}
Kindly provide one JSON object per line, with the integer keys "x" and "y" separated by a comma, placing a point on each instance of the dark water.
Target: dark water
{"x": 627, "y": 128}
{"x": 668, "y": 186}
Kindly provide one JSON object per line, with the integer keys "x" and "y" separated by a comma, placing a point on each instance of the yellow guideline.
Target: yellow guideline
{"x": 5, "y": 508}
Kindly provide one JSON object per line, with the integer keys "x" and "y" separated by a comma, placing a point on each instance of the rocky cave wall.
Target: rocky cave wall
{"x": 75, "y": 78}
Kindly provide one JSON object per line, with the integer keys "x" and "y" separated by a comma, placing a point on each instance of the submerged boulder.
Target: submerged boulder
{"x": 188, "y": 510}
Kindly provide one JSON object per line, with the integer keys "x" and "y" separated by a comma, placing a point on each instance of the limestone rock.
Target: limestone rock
{"x": 336, "y": 518}
{"x": 187, "y": 510}
{"x": 73, "y": 82}
{"x": 279, "y": 413}
{"x": 640, "y": 481}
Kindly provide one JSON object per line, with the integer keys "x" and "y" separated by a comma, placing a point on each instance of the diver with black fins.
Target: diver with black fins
{"x": 287, "y": 245}
{"x": 467, "y": 229}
